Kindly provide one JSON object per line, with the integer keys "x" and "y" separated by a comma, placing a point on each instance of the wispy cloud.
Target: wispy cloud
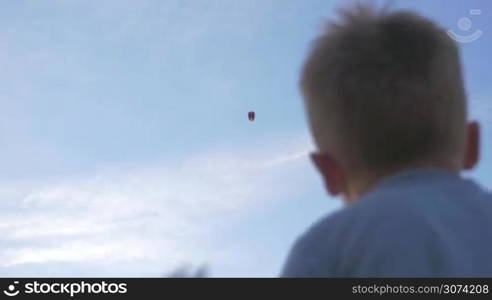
{"x": 91, "y": 84}
{"x": 168, "y": 213}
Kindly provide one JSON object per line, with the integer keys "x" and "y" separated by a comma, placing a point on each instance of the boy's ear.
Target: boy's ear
{"x": 331, "y": 172}
{"x": 472, "y": 153}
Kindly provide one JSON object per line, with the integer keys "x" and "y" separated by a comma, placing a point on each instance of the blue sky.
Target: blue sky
{"x": 126, "y": 149}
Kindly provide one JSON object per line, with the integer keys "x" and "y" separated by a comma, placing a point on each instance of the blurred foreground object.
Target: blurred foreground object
{"x": 188, "y": 271}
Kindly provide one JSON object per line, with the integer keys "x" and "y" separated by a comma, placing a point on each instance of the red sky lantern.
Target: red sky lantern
{"x": 251, "y": 116}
